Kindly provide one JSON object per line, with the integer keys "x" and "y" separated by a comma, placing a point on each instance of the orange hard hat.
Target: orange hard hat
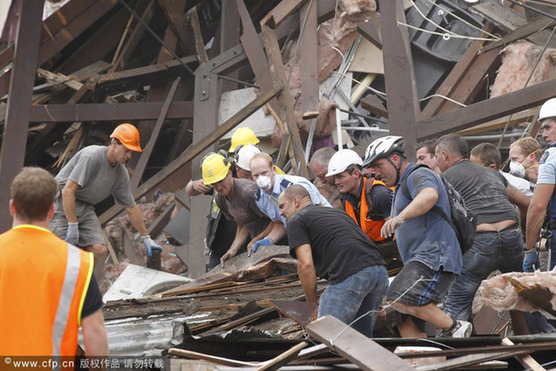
{"x": 128, "y": 135}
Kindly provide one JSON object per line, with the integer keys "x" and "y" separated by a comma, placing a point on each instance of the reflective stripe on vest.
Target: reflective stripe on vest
{"x": 70, "y": 279}
{"x": 370, "y": 227}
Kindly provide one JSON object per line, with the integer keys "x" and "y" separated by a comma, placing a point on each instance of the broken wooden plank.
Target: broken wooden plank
{"x": 401, "y": 86}
{"x": 519, "y": 33}
{"x": 486, "y": 110}
{"x": 282, "y": 359}
{"x": 12, "y": 153}
{"x": 134, "y": 308}
{"x": 283, "y": 10}
{"x": 196, "y": 149}
{"x": 148, "y": 149}
{"x": 374, "y": 105}
{"x": 108, "y": 112}
{"x": 198, "y": 36}
{"x": 526, "y": 361}
{"x": 509, "y": 20}
{"x": 299, "y": 311}
{"x": 368, "y": 30}
{"x": 470, "y": 360}
{"x": 308, "y": 60}
{"x": 354, "y": 346}
{"x": 285, "y": 101}
{"x": 170, "y": 11}
{"x": 59, "y": 77}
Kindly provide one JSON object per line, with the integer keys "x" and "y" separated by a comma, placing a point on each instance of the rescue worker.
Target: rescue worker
{"x": 366, "y": 200}
{"x": 93, "y": 174}
{"x": 47, "y": 288}
{"x": 525, "y": 154}
{"x": 243, "y": 136}
{"x": 325, "y": 184}
{"x": 425, "y": 155}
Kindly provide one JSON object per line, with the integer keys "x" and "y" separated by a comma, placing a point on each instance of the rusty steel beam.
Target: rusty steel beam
{"x": 12, "y": 154}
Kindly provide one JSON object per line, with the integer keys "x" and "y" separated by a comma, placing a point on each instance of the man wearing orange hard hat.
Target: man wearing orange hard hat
{"x": 93, "y": 174}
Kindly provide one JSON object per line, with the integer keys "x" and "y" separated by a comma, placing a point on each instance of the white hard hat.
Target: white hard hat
{"x": 383, "y": 147}
{"x": 341, "y": 160}
{"x": 245, "y": 154}
{"x": 548, "y": 109}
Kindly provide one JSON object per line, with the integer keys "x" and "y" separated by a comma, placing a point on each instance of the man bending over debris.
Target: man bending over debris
{"x": 428, "y": 245}
{"x": 93, "y": 174}
{"x": 47, "y": 289}
{"x": 327, "y": 242}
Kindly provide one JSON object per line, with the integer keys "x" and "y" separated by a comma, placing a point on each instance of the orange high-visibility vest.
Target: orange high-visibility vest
{"x": 370, "y": 227}
{"x": 43, "y": 283}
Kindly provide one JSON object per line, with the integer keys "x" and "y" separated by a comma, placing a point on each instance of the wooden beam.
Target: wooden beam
{"x": 401, "y": 88}
{"x": 308, "y": 60}
{"x": 526, "y": 361}
{"x": 283, "y": 10}
{"x": 108, "y": 112}
{"x": 486, "y": 110}
{"x": 169, "y": 9}
{"x": 368, "y": 31}
{"x": 464, "y": 81}
{"x": 285, "y": 100}
{"x": 199, "y": 43}
{"x": 354, "y": 346}
{"x": 148, "y": 149}
{"x": 12, "y": 153}
{"x": 196, "y": 149}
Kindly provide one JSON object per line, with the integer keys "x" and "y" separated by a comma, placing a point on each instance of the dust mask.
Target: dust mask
{"x": 517, "y": 169}
{"x": 264, "y": 182}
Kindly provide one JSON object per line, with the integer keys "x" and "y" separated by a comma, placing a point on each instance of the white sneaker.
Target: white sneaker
{"x": 461, "y": 330}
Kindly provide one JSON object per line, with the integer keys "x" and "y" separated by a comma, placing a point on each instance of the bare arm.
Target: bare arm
{"x": 242, "y": 234}
{"x": 537, "y": 212}
{"x": 136, "y": 218}
{"x": 68, "y": 200}
{"x": 306, "y": 272}
{"x": 196, "y": 188}
{"x": 421, "y": 204}
{"x": 94, "y": 335}
{"x": 519, "y": 199}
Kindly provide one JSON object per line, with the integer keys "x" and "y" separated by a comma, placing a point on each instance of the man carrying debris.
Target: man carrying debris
{"x": 236, "y": 199}
{"x": 428, "y": 245}
{"x": 366, "y": 200}
{"x": 327, "y": 243}
{"x": 47, "y": 288}
{"x": 271, "y": 185}
{"x": 498, "y": 243}
{"x": 543, "y": 204}
{"x": 93, "y": 174}
{"x": 325, "y": 184}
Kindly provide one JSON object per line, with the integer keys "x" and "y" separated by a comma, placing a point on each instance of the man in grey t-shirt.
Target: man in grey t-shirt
{"x": 93, "y": 174}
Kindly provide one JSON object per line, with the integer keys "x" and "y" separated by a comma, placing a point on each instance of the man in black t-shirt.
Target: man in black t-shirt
{"x": 327, "y": 243}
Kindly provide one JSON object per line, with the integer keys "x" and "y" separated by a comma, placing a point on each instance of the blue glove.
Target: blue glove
{"x": 531, "y": 260}
{"x": 264, "y": 242}
{"x": 150, "y": 245}
{"x": 72, "y": 234}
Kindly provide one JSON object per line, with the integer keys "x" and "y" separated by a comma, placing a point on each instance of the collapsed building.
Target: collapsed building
{"x": 303, "y": 75}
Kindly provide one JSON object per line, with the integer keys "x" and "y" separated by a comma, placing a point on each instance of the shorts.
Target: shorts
{"x": 418, "y": 285}
{"x": 90, "y": 230}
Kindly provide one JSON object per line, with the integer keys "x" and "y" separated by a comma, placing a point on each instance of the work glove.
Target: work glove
{"x": 264, "y": 242}
{"x": 531, "y": 261}
{"x": 72, "y": 234}
{"x": 150, "y": 245}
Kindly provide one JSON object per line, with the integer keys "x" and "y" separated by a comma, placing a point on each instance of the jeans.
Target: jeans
{"x": 501, "y": 250}
{"x": 355, "y": 296}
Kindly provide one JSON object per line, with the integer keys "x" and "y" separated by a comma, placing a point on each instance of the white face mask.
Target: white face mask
{"x": 517, "y": 169}
{"x": 264, "y": 182}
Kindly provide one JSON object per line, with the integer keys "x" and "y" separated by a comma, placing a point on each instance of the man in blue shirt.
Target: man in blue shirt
{"x": 271, "y": 186}
{"x": 427, "y": 243}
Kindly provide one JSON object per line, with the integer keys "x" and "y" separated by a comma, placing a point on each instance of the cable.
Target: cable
{"x": 447, "y": 36}
{"x": 444, "y": 97}
{"x": 156, "y": 37}
{"x": 360, "y": 83}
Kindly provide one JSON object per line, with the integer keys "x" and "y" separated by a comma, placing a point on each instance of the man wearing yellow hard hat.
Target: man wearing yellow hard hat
{"x": 242, "y": 137}
{"x": 93, "y": 174}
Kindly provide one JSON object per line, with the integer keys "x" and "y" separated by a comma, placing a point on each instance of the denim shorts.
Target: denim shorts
{"x": 418, "y": 285}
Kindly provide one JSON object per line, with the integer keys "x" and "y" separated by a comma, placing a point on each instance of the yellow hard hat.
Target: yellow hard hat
{"x": 128, "y": 135}
{"x": 214, "y": 168}
{"x": 243, "y": 136}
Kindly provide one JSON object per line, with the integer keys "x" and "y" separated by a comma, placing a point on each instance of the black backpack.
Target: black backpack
{"x": 462, "y": 219}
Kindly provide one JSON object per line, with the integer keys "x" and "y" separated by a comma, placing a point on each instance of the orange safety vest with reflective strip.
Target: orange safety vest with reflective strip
{"x": 370, "y": 227}
{"x": 43, "y": 284}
